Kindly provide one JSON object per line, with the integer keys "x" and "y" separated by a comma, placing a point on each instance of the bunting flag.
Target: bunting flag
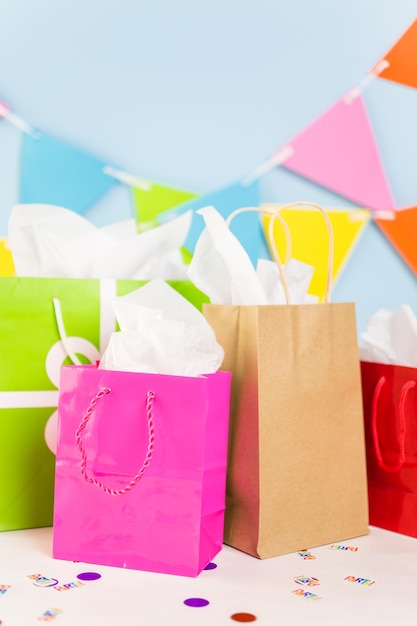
{"x": 3, "y": 110}
{"x": 310, "y": 239}
{"x": 377, "y": 278}
{"x": 401, "y": 233}
{"x": 6, "y": 260}
{"x": 246, "y": 227}
{"x": 338, "y": 151}
{"x": 53, "y": 172}
{"x": 149, "y": 203}
{"x": 399, "y": 64}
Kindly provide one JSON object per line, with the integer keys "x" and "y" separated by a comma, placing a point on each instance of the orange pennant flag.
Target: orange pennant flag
{"x": 401, "y": 232}
{"x": 400, "y": 62}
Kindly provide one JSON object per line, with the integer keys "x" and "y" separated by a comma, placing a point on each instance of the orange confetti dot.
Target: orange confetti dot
{"x": 243, "y": 617}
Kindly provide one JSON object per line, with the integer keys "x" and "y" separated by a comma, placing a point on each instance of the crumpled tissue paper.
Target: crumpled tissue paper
{"x": 161, "y": 333}
{"x": 51, "y": 241}
{"x": 391, "y": 337}
{"x": 222, "y": 269}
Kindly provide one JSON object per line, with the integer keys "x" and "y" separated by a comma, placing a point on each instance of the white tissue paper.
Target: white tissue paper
{"x": 54, "y": 242}
{"x": 298, "y": 276}
{"x": 391, "y": 337}
{"x": 222, "y": 269}
{"x": 161, "y": 333}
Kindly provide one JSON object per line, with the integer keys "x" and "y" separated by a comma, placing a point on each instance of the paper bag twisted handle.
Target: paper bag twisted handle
{"x": 274, "y": 213}
{"x": 402, "y": 423}
{"x": 151, "y": 440}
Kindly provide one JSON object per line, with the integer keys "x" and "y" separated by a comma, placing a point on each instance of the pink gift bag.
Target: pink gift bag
{"x": 140, "y": 469}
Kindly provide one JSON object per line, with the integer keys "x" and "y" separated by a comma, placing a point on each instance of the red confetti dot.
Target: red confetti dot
{"x": 243, "y": 617}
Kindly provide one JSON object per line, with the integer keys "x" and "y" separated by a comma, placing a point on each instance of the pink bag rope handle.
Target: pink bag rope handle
{"x": 401, "y": 412}
{"x": 78, "y": 438}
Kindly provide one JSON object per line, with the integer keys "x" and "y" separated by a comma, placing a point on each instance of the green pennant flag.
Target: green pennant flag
{"x": 149, "y": 203}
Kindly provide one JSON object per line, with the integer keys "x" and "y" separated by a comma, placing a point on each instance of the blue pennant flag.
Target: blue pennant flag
{"x": 246, "y": 226}
{"x": 53, "y": 172}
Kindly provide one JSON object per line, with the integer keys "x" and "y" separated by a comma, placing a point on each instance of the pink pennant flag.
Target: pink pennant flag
{"x": 4, "y": 109}
{"x": 339, "y": 152}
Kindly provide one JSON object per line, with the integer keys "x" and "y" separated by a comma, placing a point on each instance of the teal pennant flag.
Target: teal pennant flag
{"x": 246, "y": 226}
{"x": 53, "y": 172}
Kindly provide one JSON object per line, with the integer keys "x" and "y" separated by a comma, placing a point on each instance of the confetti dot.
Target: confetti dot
{"x": 243, "y": 617}
{"x": 196, "y": 602}
{"x": 88, "y": 576}
{"x": 210, "y": 566}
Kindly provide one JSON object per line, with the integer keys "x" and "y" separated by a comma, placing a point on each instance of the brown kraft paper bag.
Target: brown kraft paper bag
{"x": 297, "y": 465}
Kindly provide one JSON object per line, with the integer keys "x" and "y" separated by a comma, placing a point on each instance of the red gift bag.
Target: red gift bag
{"x": 390, "y": 413}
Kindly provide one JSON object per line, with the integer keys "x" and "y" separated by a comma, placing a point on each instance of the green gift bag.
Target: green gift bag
{"x": 31, "y": 353}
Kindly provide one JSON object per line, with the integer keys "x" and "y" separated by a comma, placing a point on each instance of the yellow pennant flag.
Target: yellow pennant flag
{"x": 310, "y": 239}
{"x": 6, "y": 260}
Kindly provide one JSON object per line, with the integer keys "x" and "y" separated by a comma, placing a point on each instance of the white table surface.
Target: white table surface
{"x": 239, "y": 584}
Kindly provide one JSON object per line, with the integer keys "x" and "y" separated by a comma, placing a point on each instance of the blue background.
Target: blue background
{"x": 197, "y": 94}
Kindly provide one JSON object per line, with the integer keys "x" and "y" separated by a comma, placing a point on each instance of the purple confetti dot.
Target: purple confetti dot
{"x": 210, "y": 566}
{"x": 196, "y": 602}
{"x": 88, "y": 576}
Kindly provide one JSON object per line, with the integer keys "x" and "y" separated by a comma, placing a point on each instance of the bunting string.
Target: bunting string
{"x": 337, "y": 151}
